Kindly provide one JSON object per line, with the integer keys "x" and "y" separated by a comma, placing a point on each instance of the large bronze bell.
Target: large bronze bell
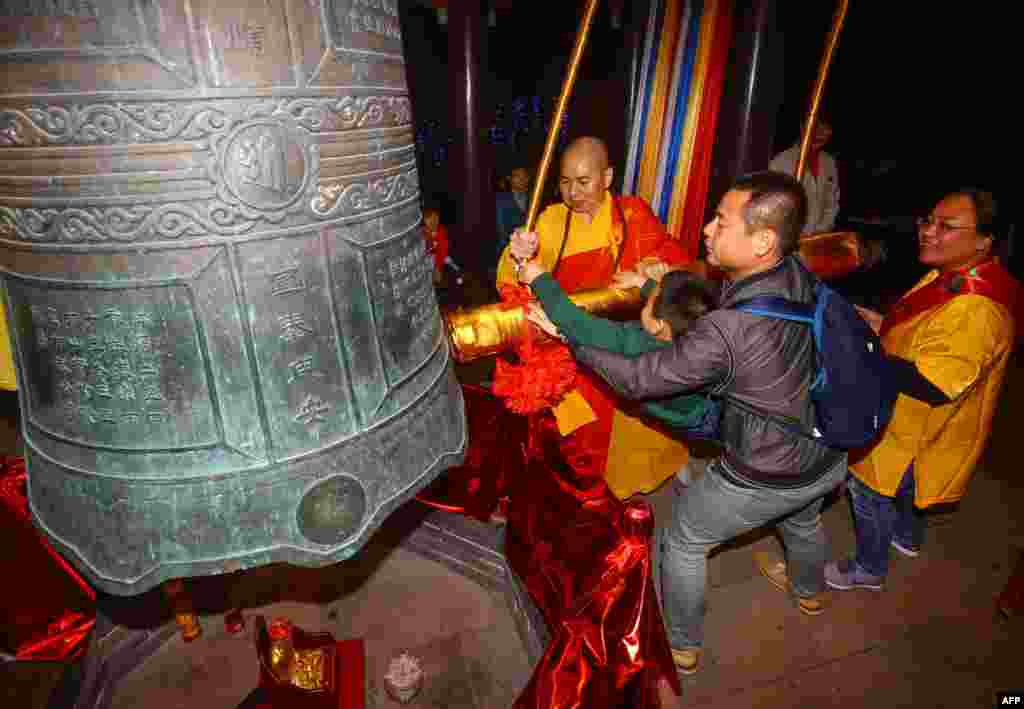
{"x": 228, "y": 346}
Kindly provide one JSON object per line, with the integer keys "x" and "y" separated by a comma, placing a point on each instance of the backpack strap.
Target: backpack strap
{"x": 774, "y": 306}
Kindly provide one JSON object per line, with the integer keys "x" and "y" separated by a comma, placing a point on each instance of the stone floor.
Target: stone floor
{"x": 463, "y": 634}
{"x": 932, "y": 639}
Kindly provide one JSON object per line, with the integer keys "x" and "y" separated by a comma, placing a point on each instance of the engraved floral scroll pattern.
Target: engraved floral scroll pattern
{"x": 152, "y": 122}
{"x": 235, "y": 206}
{"x": 348, "y": 112}
{"x": 110, "y": 123}
{"x": 124, "y": 224}
{"x": 358, "y": 197}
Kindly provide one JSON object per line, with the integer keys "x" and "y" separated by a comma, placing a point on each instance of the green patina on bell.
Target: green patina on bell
{"x": 227, "y": 340}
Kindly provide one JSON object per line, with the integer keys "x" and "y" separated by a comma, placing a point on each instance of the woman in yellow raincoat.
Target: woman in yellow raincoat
{"x": 950, "y": 338}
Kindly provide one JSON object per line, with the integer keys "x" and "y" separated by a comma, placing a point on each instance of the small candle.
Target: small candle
{"x": 282, "y": 649}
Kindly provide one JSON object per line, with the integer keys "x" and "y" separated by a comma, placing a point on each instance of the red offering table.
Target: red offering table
{"x": 350, "y": 685}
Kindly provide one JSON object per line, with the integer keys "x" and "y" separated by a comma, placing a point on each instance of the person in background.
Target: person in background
{"x": 510, "y": 208}
{"x": 950, "y": 338}
{"x": 436, "y": 235}
{"x": 820, "y": 180}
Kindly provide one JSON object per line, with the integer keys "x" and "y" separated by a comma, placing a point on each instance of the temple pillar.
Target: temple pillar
{"x": 471, "y": 178}
{"x": 751, "y": 99}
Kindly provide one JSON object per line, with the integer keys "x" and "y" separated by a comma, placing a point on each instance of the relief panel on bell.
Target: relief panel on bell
{"x": 302, "y": 379}
{"x": 250, "y": 48}
{"x": 92, "y": 45}
{"x": 401, "y": 283}
{"x": 355, "y": 313}
{"x": 30, "y": 25}
{"x": 119, "y": 368}
{"x": 366, "y": 26}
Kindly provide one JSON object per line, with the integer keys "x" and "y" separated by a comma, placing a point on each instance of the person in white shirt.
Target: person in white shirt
{"x": 820, "y": 180}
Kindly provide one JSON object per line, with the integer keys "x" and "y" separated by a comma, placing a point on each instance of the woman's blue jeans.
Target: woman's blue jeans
{"x": 878, "y": 519}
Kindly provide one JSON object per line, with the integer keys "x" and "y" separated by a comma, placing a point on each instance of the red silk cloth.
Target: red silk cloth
{"x": 583, "y": 555}
{"x": 495, "y": 456}
{"x": 989, "y": 279}
{"x": 50, "y": 609}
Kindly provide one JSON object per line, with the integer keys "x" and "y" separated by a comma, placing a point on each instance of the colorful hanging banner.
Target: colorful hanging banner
{"x": 677, "y": 94}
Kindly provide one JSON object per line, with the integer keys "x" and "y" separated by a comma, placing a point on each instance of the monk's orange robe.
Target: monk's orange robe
{"x": 598, "y": 439}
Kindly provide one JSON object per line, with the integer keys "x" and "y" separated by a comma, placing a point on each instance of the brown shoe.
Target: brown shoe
{"x": 687, "y": 659}
{"x": 775, "y": 571}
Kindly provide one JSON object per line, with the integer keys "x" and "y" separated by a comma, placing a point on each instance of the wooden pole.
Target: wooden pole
{"x": 819, "y": 85}
{"x": 556, "y": 123}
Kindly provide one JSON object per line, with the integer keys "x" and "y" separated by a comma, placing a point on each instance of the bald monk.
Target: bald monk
{"x": 584, "y": 242}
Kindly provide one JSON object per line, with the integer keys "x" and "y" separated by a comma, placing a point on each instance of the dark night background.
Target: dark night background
{"x": 917, "y": 95}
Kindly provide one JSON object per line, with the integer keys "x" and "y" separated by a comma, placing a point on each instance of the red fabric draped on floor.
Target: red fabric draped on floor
{"x": 584, "y": 556}
{"x": 49, "y": 607}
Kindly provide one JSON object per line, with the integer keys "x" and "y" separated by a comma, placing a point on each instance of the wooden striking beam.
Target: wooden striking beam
{"x": 556, "y": 122}
{"x": 819, "y": 85}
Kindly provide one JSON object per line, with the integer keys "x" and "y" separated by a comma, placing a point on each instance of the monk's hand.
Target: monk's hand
{"x": 628, "y": 279}
{"x": 536, "y": 315}
{"x": 523, "y": 244}
{"x": 871, "y": 317}
{"x": 528, "y": 271}
{"x": 653, "y": 269}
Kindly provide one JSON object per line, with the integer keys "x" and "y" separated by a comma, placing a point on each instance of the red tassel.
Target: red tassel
{"x": 544, "y": 373}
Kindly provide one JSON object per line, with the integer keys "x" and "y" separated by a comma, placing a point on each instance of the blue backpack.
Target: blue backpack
{"x": 854, "y": 391}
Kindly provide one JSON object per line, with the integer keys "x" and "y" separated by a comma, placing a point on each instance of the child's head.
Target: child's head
{"x": 679, "y": 299}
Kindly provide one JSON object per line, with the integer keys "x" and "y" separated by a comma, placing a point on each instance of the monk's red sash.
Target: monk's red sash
{"x": 989, "y": 279}
{"x": 814, "y": 162}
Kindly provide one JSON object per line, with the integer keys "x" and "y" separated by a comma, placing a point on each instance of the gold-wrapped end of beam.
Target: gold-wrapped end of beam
{"x": 483, "y": 331}
{"x": 835, "y": 253}
{"x": 490, "y": 329}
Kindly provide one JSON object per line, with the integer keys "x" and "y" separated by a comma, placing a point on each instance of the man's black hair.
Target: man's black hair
{"x": 777, "y": 202}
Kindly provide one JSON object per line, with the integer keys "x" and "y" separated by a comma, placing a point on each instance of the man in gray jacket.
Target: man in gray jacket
{"x": 765, "y": 367}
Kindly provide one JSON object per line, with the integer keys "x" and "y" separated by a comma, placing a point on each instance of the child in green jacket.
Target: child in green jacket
{"x": 671, "y": 306}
